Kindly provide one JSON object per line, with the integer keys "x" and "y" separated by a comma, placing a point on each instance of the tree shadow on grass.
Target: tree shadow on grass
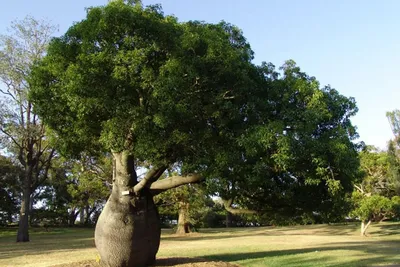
{"x": 42, "y": 243}
{"x": 177, "y": 261}
{"x": 383, "y": 251}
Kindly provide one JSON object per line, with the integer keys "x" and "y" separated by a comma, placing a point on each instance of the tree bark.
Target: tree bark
{"x": 72, "y": 217}
{"x": 228, "y": 219}
{"x": 183, "y": 219}
{"x": 364, "y": 227}
{"x": 82, "y": 215}
{"x": 127, "y": 231}
{"x": 23, "y": 227}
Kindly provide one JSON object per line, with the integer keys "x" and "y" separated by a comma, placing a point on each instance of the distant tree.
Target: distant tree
{"x": 22, "y": 133}
{"x": 299, "y": 158}
{"x": 75, "y": 188}
{"x": 88, "y": 184}
{"x": 373, "y": 208}
{"x": 394, "y": 150}
{"x": 10, "y": 187}
{"x": 189, "y": 202}
{"x": 374, "y": 198}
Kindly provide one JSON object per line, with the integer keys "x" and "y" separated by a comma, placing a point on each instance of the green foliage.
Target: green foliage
{"x": 298, "y": 157}
{"x": 75, "y": 186}
{"x": 10, "y": 187}
{"x": 130, "y": 78}
{"x": 375, "y": 207}
{"x": 191, "y": 197}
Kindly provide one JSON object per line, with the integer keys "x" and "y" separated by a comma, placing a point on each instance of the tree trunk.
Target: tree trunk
{"x": 364, "y": 227}
{"x": 82, "y": 216}
{"x": 183, "y": 219}
{"x": 72, "y": 217}
{"x": 23, "y": 227}
{"x": 127, "y": 231}
{"x": 228, "y": 219}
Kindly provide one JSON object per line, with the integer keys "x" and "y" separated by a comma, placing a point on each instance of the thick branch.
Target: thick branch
{"x": 174, "y": 181}
{"x": 228, "y": 207}
{"x": 150, "y": 177}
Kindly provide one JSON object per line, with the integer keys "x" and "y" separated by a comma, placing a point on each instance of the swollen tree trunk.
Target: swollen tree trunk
{"x": 23, "y": 227}
{"x": 127, "y": 231}
{"x": 183, "y": 219}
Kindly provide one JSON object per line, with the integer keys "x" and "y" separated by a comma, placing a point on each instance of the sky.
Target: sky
{"x": 352, "y": 45}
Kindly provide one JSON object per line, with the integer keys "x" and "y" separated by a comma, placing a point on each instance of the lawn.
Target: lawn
{"x": 312, "y": 245}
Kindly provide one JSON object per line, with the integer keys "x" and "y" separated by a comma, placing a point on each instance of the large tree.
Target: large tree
{"x": 154, "y": 92}
{"x": 299, "y": 158}
{"x": 22, "y": 133}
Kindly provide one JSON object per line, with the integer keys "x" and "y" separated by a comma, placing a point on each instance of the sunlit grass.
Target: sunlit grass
{"x": 313, "y": 245}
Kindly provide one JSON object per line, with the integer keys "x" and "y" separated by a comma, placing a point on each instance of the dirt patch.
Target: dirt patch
{"x": 181, "y": 262}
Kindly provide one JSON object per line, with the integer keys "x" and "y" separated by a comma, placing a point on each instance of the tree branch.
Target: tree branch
{"x": 359, "y": 189}
{"x": 150, "y": 177}
{"x": 11, "y": 137}
{"x": 228, "y": 206}
{"x": 174, "y": 181}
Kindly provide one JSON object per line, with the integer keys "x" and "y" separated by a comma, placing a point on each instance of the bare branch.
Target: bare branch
{"x": 228, "y": 206}
{"x": 11, "y": 137}
{"x": 150, "y": 177}
{"x": 174, "y": 181}
{"x": 359, "y": 189}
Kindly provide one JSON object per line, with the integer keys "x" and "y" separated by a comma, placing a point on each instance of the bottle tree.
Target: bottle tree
{"x": 152, "y": 91}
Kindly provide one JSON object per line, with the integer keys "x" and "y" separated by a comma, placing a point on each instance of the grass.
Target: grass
{"x": 312, "y": 245}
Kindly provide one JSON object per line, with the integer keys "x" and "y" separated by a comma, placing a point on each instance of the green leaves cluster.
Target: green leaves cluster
{"x": 375, "y": 207}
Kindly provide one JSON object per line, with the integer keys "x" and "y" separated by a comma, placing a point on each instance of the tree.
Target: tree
{"x": 191, "y": 204}
{"x": 87, "y": 186}
{"x": 75, "y": 188}
{"x": 374, "y": 198}
{"x": 10, "y": 187}
{"x": 153, "y": 92}
{"x": 394, "y": 150}
{"x": 374, "y": 208}
{"x": 22, "y": 133}
{"x": 298, "y": 158}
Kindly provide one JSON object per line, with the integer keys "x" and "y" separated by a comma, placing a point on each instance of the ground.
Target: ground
{"x": 180, "y": 262}
{"x": 311, "y": 245}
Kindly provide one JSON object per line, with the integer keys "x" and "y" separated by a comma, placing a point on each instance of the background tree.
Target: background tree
{"x": 74, "y": 188}
{"x": 394, "y": 150}
{"x": 374, "y": 208}
{"x": 374, "y": 198}
{"x": 299, "y": 158}
{"x": 22, "y": 133}
{"x": 189, "y": 202}
{"x": 10, "y": 188}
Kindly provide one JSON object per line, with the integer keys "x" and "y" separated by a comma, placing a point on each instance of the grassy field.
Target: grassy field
{"x": 313, "y": 245}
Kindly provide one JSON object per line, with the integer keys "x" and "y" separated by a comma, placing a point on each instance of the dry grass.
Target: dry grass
{"x": 314, "y": 245}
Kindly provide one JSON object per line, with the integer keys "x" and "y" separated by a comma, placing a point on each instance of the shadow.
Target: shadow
{"x": 385, "y": 251}
{"x": 177, "y": 261}
{"x": 45, "y": 242}
{"x": 385, "y": 230}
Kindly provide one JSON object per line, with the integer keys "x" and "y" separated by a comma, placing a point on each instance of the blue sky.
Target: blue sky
{"x": 353, "y": 45}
